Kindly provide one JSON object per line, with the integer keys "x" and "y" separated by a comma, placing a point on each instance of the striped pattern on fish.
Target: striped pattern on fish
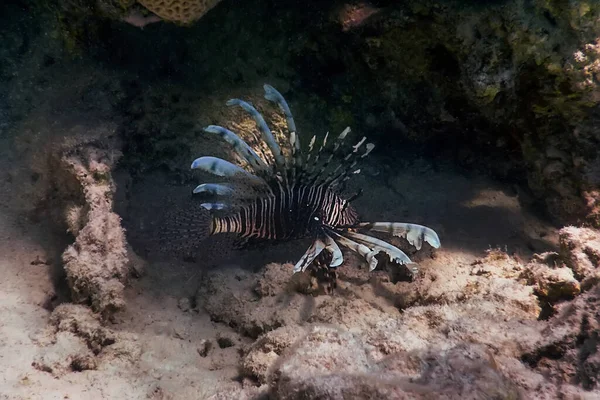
{"x": 290, "y": 213}
{"x": 293, "y": 197}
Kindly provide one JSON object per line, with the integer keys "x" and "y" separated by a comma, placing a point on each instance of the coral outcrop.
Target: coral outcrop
{"x": 96, "y": 264}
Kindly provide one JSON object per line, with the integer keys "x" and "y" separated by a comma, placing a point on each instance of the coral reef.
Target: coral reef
{"x": 180, "y": 11}
{"x": 526, "y": 75}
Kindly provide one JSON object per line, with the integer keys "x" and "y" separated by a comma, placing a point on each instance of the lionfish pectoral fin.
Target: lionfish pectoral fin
{"x": 415, "y": 234}
{"x": 215, "y": 189}
{"x": 264, "y": 130}
{"x": 313, "y": 251}
{"x": 337, "y": 258}
{"x": 273, "y": 95}
{"x": 414, "y": 268}
{"x": 367, "y": 253}
{"x": 240, "y": 147}
{"x": 395, "y": 254}
{"x": 220, "y": 167}
{"x": 214, "y": 206}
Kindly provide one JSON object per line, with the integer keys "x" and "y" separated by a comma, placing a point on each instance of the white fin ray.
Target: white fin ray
{"x": 378, "y": 245}
{"x": 313, "y": 252}
{"x": 214, "y": 206}
{"x": 220, "y": 167}
{"x": 413, "y": 233}
{"x": 218, "y": 189}
{"x": 264, "y": 130}
{"x": 337, "y": 256}
{"x": 273, "y": 95}
{"x": 239, "y": 146}
{"x": 367, "y": 253}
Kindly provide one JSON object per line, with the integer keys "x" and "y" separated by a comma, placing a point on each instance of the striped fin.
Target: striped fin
{"x": 311, "y": 145}
{"x": 313, "y": 251}
{"x": 364, "y": 251}
{"x": 337, "y": 256}
{"x": 336, "y": 152}
{"x": 349, "y": 163}
{"x": 309, "y": 168}
{"x": 220, "y": 167}
{"x": 337, "y": 145}
{"x": 414, "y": 233}
{"x": 218, "y": 189}
{"x": 378, "y": 245}
{"x": 264, "y": 130}
{"x": 239, "y": 146}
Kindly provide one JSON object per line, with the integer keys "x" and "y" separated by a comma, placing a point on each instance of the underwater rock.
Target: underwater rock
{"x": 230, "y": 296}
{"x": 66, "y": 354}
{"x": 580, "y": 249}
{"x": 567, "y": 351}
{"x": 75, "y": 340}
{"x": 265, "y": 351}
{"x": 83, "y": 323}
{"x": 552, "y": 282}
{"x": 332, "y": 364}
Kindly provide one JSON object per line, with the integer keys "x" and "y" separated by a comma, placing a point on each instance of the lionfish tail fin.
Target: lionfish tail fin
{"x": 183, "y": 228}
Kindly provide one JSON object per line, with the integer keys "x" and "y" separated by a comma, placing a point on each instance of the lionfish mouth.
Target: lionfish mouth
{"x": 283, "y": 197}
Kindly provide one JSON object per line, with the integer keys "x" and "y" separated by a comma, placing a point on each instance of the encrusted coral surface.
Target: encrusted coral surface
{"x": 182, "y": 11}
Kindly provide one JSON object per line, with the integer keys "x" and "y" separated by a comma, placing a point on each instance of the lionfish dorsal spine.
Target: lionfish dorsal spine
{"x": 336, "y": 152}
{"x": 264, "y": 130}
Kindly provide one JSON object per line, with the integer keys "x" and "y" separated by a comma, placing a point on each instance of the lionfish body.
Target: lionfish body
{"x": 297, "y": 196}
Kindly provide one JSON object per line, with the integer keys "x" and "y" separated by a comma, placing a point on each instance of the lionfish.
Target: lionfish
{"x": 294, "y": 196}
